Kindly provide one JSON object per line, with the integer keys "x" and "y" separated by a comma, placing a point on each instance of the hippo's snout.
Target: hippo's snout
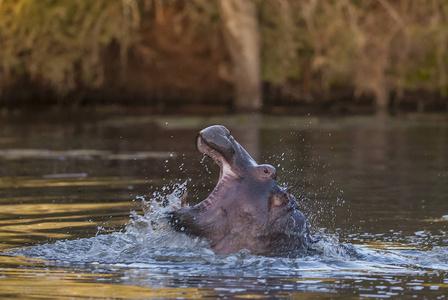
{"x": 216, "y": 138}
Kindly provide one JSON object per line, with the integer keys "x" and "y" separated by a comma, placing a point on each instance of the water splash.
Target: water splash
{"x": 318, "y": 196}
{"x": 146, "y": 237}
{"x": 151, "y": 228}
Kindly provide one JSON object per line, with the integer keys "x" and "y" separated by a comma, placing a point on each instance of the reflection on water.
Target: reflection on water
{"x": 82, "y": 202}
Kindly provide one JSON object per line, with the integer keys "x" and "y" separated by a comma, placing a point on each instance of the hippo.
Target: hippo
{"x": 247, "y": 209}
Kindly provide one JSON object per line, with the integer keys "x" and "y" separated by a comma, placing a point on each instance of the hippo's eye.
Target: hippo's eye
{"x": 265, "y": 171}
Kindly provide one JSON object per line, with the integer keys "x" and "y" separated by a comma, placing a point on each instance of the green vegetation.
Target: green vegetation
{"x": 373, "y": 47}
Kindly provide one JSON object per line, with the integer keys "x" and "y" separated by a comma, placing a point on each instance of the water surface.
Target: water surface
{"x": 81, "y": 200}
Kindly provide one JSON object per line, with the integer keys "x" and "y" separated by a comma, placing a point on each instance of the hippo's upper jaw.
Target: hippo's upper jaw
{"x": 216, "y": 142}
{"x": 246, "y": 209}
{"x": 221, "y": 153}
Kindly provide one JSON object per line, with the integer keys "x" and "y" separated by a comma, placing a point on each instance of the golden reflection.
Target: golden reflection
{"x": 49, "y": 273}
{"x": 59, "y": 218}
{"x": 394, "y": 245}
{"x": 313, "y": 279}
{"x": 53, "y": 208}
{"x": 310, "y": 295}
{"x": 61, "y": 284}
{"x": 285, "y": 295}
{"x": 16, "y": 238}
{"x": 252, "y": 296}
{"x": 442, "y": 219}
{"x": 18, "y": 261}
{"x": 24, "y": 282}
{"x": 28, "y": 283}
{"x": 34, "y": 199}
{"x": 48, "y": 220}
{"x": 29, "y": 228}
{"x": 440, "y": 285}
{"x": 20, "y": 182}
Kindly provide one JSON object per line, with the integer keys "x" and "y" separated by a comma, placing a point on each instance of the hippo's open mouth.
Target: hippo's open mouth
{"x": 226, "y": 169}
{"x": 217, "y": 143}
{"x": 233, "y": 160}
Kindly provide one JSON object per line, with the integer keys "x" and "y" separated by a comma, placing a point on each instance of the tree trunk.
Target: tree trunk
{"x": 382, "y": 98}
{"x": 241, "y": 34}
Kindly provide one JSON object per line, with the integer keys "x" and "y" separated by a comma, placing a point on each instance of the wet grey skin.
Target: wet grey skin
{"x": 246, "y": 209}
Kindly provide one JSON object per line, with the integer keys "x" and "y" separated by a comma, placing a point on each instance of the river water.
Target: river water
{"x": 82, "y": 198}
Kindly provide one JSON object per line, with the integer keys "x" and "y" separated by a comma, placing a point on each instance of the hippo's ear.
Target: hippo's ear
{"x": 183, "y": 199}
{"x": 280, "y": 198}
{"x": 288, "y": 192}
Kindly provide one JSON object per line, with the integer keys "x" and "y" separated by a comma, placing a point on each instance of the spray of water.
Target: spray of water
{"x": 151, "y": 227}
{"x": 315, "y": 188}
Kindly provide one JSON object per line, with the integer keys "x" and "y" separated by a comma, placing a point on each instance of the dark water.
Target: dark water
{"x": 81, "y": 200}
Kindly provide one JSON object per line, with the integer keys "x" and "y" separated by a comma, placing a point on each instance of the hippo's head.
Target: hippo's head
{"x": 246, "y": 209}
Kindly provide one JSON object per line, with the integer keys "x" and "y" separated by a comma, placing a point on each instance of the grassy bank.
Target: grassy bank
{"x": 163, "y": 53}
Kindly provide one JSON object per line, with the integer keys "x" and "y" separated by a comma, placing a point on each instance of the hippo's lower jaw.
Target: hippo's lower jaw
{"x": 246, "y": 209}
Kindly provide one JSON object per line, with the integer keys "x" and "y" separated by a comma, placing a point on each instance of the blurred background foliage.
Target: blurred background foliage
{"x": 309, "y": 48}
{"x": 375, "y": 46}
{"x": 60, "y": 43}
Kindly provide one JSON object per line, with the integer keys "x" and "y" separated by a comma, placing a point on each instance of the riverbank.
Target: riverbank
{"x": 340, "y": 104}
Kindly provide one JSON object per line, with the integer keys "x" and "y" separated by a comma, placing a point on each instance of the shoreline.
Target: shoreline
{"x": 279, "y": 107}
